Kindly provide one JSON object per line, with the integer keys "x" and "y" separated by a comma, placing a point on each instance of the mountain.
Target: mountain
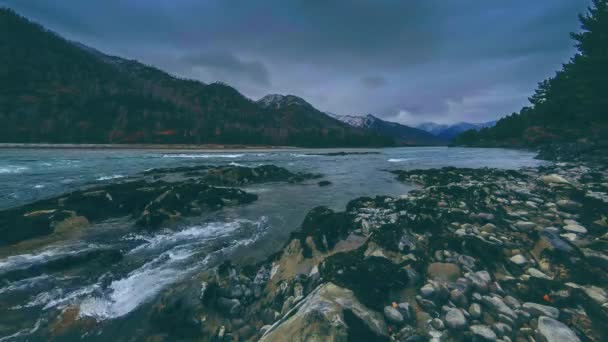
{"x": 449, "y": 132}
{"x": 57, "y": 91}
{"x": 568, "y": 109}
{"x": 404, "y": 135}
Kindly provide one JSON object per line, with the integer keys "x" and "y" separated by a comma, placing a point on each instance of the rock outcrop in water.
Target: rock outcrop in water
{"x": 162, "y": 195}
{"x": 474, "y": 254}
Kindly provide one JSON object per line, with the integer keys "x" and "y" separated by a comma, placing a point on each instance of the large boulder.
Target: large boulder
{"x": 328, "y": 313}
{"x": 551, "y": 330}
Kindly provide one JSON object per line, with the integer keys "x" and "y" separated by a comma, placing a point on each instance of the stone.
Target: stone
{"x": 393, "y": 315}
{"x": 437, "y": 324}
{"x": 519, "y": 260}
{"x": 495, "y": 303}
{"x": 554, "y": 179}
{"x": 454, "y": 319}
{"x": 443, "y": 271}
{"x": 537, "y": 273}
{"x": 483, "y": 332}
{"x": 512, "y": 302}
{"x": 575, "y": 228}
{"x": 427, "y": 291}
{"x": 501, "y": 329}
{"x": 475, "y": 310}
{"x": 551, "y": 330}
{"x": 480, "y": 280}
{"x": 406, "y": 311}
{"x": 525, "y": 225}
{"x": 541, "y": 310}
{"x": 320, "y": 317}
{"x": 568, "y": 205}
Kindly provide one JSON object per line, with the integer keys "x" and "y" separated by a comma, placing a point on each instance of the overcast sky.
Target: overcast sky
{"x": 402, "y": 60}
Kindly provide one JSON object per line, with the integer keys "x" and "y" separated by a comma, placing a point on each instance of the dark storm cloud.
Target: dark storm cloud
{"x": 411, "y": 61}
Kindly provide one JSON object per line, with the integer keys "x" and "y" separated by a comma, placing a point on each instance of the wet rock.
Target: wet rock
{"x": 454, "y": 319}
{"x": 483, "y": 332}
{"x": 541, "y": 310}
{"x": 393, "y": 315}
{"x": 551, "y": 330}
{"x": 324, "y": 183}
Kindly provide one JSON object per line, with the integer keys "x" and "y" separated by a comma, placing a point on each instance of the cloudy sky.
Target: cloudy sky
{"x": 403, "y": 60}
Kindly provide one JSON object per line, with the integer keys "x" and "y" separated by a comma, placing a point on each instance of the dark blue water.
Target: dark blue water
{"x": 154, "y": 262}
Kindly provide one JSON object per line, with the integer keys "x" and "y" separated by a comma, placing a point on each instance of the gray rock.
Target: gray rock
{"x": 511, "y": 302}
{"x": 553, "y": 179}
{"x": 314, "y": 318}
{"x": 551, "y": 330}
{"x": 393, "y": 315}
{"x": 483, "y": 332}
{"x": 497, "y": 305}
{"x": 455, "y": 319}
{"x": 568, "y": 205}
{"x": 475, "y": 310}
{"x": 519, "y": 260}
{"x": 427, "y": 290}
{"x": 537, "y": 273}
{"x": 406, "y": 311}
{"x": 576, "y": 228}
{"x": 541, "y": 310}
{"x": 525, "y": 225}
{"x": 501, "y": 329}
{"x": 480, "y": 280}
{"x": 437, "y": 324}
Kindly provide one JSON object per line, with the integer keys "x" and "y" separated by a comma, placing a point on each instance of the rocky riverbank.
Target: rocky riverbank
{"x": 474, "y": 254}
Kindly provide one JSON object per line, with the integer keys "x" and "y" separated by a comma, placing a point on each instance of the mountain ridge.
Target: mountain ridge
{"x": 405, "y": 135}
{"x": 66, "y": 92}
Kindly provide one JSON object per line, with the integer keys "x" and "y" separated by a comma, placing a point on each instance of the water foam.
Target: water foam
{"x": 22, "y": 261}
{"x": 103, "y": 178}
{"x": 13, "y": 169}
{"x": 211, "y": 155}
{"x": 398, "y": 160}
{"x": 141, "y": 285}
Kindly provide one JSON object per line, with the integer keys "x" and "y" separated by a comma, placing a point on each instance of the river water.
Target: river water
{"x": 152, "y": 263}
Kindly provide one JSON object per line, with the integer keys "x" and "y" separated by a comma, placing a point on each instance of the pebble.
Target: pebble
{"x": 454, "y": 319}
{"x": 541, "y": 310}
{"x": 519, "y": 260}
{"x": 537, "y": 274}
{"x": 483, "y": 332}
{"x": 393, "y": 315}
{"x": 475, "y": 310}
{"x": 575, "y": 228}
